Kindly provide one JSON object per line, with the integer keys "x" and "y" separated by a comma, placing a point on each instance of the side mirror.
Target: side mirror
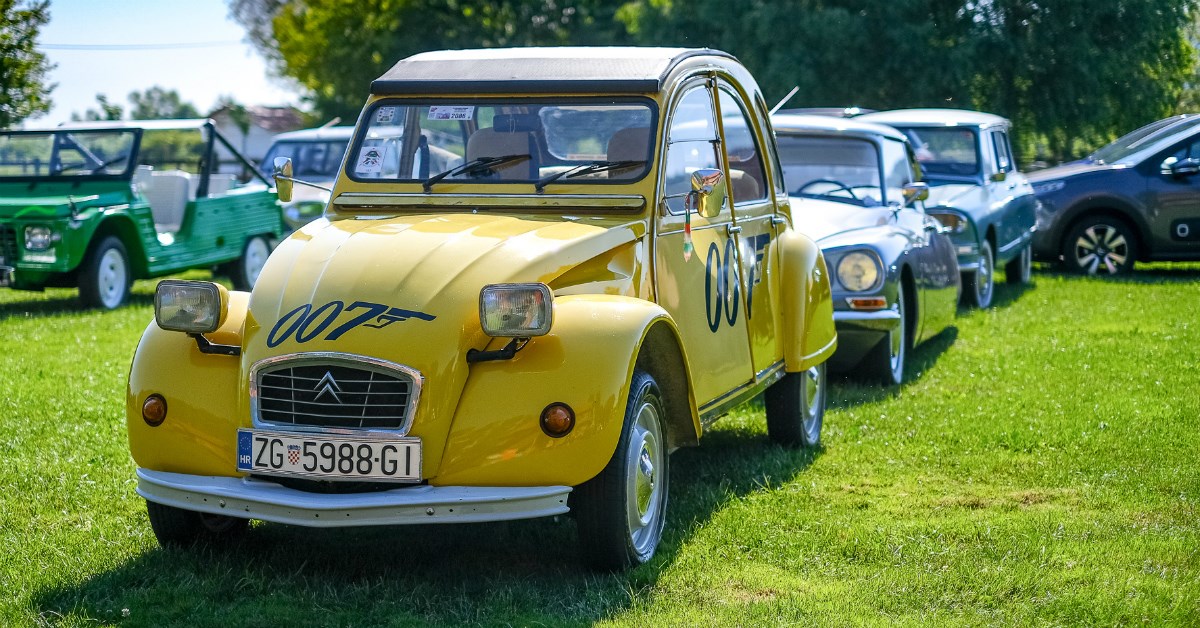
{"x": 708, "y": 191}
{"x": 915, "y": 191}
{"x": 1000, "y": 177}
{"x": 1181, "y": 167}
{"x": 283, "y": 178}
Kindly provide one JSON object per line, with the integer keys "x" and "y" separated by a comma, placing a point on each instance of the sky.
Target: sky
{"x": 224, "y": 65}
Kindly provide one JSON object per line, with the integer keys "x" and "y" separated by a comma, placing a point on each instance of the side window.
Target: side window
{"x": 746, "y": 176}
{"x": 691, "y": 145}
{"x": 896, "y": 170}
{"x": 1003, "y": 156}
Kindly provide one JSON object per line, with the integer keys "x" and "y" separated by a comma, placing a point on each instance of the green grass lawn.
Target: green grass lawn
{"x": 1039, "y": 467}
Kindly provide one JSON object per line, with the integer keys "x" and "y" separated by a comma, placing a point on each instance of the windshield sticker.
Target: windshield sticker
{"x": 308, "y": 323}
{"x": 370, "y": 161}
{"x": 385, "y": 115}
{"x": 448, "y": 112}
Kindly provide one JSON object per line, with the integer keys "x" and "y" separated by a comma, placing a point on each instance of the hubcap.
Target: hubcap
{"x": 112, "y": 278}
{"x": 983, "y": 278}
{"x": 897, "y": 336}
{"x": 1101, "y": 248}
{"x": 645, "y": 480}
{"x": 256, "y": 257}
{"x": 813, "y": 391}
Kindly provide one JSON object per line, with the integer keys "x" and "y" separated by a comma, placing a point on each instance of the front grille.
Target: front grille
{"x": 338, "y": 394}
{"x": 8, "y": 245}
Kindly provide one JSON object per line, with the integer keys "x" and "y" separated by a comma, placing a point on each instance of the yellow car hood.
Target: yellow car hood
{"x": 428, "y": 271}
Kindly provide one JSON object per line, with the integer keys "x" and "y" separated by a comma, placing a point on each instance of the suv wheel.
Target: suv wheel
{"x": 1100, "y": 245}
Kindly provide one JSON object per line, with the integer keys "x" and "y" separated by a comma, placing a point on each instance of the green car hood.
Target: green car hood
{"x": 50, "y": 206}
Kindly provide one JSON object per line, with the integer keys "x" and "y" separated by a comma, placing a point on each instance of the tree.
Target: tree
{"x": 157, "y": 103}
{"x": 336, "y": 48}
{"x": 104, "y": 110}
{"x": 24, "y": 92}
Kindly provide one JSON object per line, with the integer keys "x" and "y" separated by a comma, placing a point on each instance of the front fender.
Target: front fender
{"x": 204, "y": 396}
{"x": 809, "y": 336}
{"x": 586, "y": 362}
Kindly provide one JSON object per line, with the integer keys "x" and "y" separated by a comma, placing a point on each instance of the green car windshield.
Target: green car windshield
{"x": 539, "y": 142}
{"x": 67, "y": 154}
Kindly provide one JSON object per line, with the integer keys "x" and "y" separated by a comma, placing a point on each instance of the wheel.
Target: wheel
{"x": 1100, "y": 245}
{"x": 620, "y": 513}
{"x": 1020, "y": 271}
{"x": 796, "y": 408}
{"x": 178, "y": 527}
{"x": 980, "y": 285}
{"x": 244, "y": 270}
{"x": 885, "y": 362}
{"x": 104, "y": 277}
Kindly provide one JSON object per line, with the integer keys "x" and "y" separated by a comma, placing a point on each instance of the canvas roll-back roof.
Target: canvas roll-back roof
{"x": 536, "y": 70}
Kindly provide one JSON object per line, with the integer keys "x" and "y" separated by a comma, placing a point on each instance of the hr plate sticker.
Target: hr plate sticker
{"x": 451, "y": 112}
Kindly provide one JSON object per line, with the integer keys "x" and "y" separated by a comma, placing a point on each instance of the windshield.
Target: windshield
{"x": 312, "y": 160}
{"x": 1132, "y": 142}
{"x": 67, "y": 154}
{"x": 944, "y": 150}
{"x": 841, "y": 169}
{"x": 504, "y": 142}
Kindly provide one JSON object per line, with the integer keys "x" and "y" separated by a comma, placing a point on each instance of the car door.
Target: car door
{"x": 1174, "y": 200}
{"x": 697, "y": 262}
{"x": 754, "y": 230}
{"x": 1012, "y": 198}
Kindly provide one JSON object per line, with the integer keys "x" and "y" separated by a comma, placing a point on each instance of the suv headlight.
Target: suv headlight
{"x": 858, "y": 271}
{"x": 194, "y": 307}
{"x": 516, "y": 310}
{"x": 39, "y": 237}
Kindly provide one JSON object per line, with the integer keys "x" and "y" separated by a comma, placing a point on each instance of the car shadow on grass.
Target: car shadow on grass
{"x": 1146, "y": 274}
{"x": 44, "y": 307}
{"x": 520, "y": 572}
{"x": 848, "y": 391}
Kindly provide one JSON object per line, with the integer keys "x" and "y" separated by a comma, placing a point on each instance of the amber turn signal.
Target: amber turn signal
{"x": 154, "y": 410}
{"x": 558, "y": 419}
{"x": 867, "y": 303}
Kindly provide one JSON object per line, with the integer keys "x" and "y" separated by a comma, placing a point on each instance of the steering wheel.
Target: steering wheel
{"x": 837, "y": 186}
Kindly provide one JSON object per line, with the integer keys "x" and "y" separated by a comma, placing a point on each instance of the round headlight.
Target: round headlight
{"x": 858, "y": 272}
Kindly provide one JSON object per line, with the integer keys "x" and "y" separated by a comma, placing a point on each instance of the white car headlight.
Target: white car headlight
{"x": 194, "y": 307}
{"x": 858, "y": 271}
{"x": 39, "y": 237}
{"x": 516, "y": 310}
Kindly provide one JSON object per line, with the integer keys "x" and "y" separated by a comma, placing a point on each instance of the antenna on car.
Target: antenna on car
{"x": 779, "y": 105}
{"x": 332, "y": 122}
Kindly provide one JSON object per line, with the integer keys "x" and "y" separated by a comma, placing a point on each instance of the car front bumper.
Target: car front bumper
{"x": 859, "y": 332}
{"x": 251, "y": 498}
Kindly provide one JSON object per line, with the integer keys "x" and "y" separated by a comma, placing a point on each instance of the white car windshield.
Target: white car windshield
{"x": 505, "y": 141}
{"x": 843, "y": 169}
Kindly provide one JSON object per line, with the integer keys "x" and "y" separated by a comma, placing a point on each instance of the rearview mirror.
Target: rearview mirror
{"x": 708, "y": 191}
{"x": 915, "y": 191}
{"x": 283, "y": 178}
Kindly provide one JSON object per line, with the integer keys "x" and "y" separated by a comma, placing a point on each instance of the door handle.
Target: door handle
{"x": 778, "y": 220}
{"x": 731, "y": 229}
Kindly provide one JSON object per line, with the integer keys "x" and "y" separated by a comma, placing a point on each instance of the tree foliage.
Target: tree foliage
{"x": 24, "y": 91}
{"x": 158, "y": 103}
{"x": 105, "y": 110}
{"x": 335, "y": 48}
{"x": 1071, "y": 74}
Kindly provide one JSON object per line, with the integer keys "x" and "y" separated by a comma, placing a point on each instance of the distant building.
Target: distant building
{"x": 263, "y": 123}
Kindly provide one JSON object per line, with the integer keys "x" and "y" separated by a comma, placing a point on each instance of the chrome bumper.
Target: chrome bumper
{"x": 878, "y": 320}
{"x": 251, "y": 498}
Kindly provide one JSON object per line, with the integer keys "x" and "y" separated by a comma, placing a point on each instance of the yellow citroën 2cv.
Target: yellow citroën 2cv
{"x": 539, "y": 273}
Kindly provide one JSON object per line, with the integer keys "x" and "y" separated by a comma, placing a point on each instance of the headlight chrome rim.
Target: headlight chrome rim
{"x": 538, "y": 315}
{"x": 206, "y": 316}
{"x": 40, "y": 237}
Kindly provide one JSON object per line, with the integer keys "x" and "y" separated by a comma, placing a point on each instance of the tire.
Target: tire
{"x": 980, "y": 286}
{"x": 885, "y": 362}
{"x": 796, "y": 408}
{"x": 244, "y": 271}
{"x": 620, "y": 513}
{"x": 104, "y": 277}
{"x": 1020, "y": 271}
{"x": 175, "y": 527}
{"x": 1100, "y": 245}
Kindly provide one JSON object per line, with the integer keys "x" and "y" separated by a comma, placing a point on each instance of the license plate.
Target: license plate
{"x": 329, "y": 456}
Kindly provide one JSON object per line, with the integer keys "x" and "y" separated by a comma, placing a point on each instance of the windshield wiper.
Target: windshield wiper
{"x": 475, "y": 165}
{"x": 582, "y": 169}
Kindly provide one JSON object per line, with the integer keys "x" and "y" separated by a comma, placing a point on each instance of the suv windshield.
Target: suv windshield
{"x": 69, "y": 154}
{"x": 313, "y": 160}
{"x": 944, "y": 150}
{"x": 505, "y": 142}
{"x": 837, "y": 169}
{"x": 1134, "y": 141}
